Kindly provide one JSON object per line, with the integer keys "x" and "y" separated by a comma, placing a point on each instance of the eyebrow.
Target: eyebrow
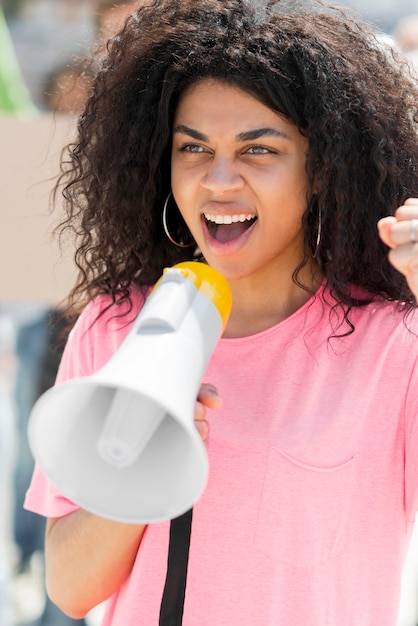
{"x": 249, "y": 135}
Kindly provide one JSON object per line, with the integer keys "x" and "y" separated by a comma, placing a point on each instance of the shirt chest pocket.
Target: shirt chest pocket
{"x": 304, "y": 510}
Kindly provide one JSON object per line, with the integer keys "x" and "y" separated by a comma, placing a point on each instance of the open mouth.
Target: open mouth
{"x": 226, "y": 228}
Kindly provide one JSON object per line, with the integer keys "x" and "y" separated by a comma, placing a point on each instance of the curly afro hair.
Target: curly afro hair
{"x": 330, "y": 75}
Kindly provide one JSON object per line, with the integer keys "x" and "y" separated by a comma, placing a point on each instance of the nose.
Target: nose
{"x": 222, "y": 175}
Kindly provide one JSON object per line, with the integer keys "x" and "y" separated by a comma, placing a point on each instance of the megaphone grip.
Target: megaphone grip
{"x": 167, "y": 306}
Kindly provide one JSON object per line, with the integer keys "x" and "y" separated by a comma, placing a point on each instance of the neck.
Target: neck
{"x": 261, "y": 304}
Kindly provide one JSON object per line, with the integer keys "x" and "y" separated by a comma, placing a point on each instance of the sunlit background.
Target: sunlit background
{"x": 43, "y": 83}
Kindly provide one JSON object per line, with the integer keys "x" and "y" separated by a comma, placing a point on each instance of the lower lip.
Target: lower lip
{"x": 228, "y": 247}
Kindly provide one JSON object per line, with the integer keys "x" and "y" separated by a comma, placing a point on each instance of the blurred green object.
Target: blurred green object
{"x": 14, "y": 95}
{"x": 11, "y": 7}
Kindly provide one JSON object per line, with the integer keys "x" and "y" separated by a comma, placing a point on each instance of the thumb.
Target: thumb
{"x": 384, "y": 227}
{"x": 208, "y": 395}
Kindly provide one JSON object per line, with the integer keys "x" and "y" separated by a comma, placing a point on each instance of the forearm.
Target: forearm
{"x": 87, "y": 559}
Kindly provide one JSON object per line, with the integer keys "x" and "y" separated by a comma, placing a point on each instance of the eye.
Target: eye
{"x": 192, "y": 148}
{"x": 259, "y": 150}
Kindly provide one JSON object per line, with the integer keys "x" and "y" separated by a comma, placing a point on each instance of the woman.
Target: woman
{"x": 267, "y": 143}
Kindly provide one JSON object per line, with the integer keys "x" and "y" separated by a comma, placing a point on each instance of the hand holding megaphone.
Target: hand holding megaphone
{"x": 207, "y": 398}
{"x": 122, "y": 443}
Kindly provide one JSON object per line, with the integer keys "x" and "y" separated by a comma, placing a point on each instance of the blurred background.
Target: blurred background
{"x": 44, "y": 80}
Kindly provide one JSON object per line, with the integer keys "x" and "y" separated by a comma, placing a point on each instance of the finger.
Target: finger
{"x": 404, "y": 232}
{"x": 202, "y": 428}
{"x": 201, "y": 424}
{"x": 199, "y": 411}
{"x": 411, "y": 202}
{"x": 384, "y": 227}
{"x": 408, "y": 210}
{"x": 389, "y": 231}
{"x": 208, "y": 396}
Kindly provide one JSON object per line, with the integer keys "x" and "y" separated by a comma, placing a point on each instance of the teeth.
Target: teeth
{"x": 229, "y": 219}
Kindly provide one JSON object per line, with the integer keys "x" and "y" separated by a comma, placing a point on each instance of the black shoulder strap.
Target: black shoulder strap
{"x": 172, "y": 604}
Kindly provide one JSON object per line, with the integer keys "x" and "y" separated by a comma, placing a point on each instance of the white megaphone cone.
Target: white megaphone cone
{"x": 122, "y": 443}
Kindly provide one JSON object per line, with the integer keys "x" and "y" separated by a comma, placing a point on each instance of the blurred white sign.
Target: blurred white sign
{"x": 31, "y": 264}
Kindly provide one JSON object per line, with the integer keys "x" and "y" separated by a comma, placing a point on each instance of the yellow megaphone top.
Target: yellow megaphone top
{"x": 211, "y": 284}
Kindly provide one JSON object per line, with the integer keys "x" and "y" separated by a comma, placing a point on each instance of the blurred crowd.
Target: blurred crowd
{"x": 46, "y": 49}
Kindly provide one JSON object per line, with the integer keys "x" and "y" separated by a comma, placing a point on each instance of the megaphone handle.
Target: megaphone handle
{"x": 172, "y": 604}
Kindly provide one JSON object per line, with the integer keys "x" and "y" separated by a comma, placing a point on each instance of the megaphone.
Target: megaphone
{"x": 122, "y": 443}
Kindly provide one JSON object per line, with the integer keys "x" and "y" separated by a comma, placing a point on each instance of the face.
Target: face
{"x": 238, "y": 178}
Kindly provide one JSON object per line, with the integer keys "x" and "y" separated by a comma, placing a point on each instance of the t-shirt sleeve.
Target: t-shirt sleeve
{"x": 95, "y": 337}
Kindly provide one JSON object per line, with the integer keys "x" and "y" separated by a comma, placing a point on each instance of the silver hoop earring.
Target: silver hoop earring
{"x": 319, "y": 234}
{"x": 167, "y": 232}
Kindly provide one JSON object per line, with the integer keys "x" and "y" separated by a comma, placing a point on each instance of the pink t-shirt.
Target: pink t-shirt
{"x": 313, "y": 483}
